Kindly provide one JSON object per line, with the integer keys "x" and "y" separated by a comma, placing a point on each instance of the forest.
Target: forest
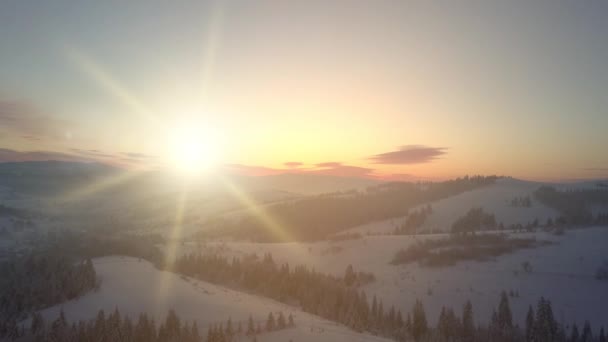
{"x": 575, "y": 205}
{"x": 39, "y": 281}
{"x": 456, "y": 248}
{"x": 337, "y": 212}
{"x": 118, "y": 327}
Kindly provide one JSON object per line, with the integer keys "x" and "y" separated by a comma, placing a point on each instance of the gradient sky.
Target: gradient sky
{"x": 401, "y": 89}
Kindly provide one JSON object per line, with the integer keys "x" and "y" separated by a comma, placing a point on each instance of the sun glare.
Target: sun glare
{"x": 191, "y": 149}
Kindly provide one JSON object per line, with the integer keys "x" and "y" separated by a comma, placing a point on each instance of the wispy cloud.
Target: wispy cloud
{"x": 328, "y": 169}
{"x": 341, "y": 170}
{"x": 7, "y": 155}
{"x": 92, "y": 153}
{"x": 293, "y": 164}
{"x": 329, "y": 164}
{"x": 77, "y": 155}
{"x": 138, "y": 156}
{"x": 409, "y": 154}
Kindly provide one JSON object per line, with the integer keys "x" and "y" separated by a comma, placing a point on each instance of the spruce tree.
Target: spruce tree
{"x": 574, "y": 335}
{"x": 229, "y": 329}
{"x": 443, "y": 325}
{"x": 196, "y": 337}
{"x": 530, "y": 325}
{"x": 281, "y": 321}
{"x": 419, "y": 322}
{"x": 349, "y": 276}
{"x": 270, "y": 323}
{"x": 505, "y": 318}
{"x": 250, "y": 326}
{"x": 468, "y": 325}
{"x": 587, "y": 335}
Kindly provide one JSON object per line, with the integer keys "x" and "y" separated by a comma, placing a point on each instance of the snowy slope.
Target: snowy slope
{"x": 492, "y": 198}
{"x": 135, "y": 286}
{"x": 563, "y": 272}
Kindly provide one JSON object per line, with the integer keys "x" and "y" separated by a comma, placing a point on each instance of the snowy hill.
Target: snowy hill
{"x": 492, "y": 198}
{"x": 135, "y": 286}
{"x": 563, "y": 272}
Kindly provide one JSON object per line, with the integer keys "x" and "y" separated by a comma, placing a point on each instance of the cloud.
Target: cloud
{"x": 409, "y": 154}
{"x": 137, "y": 155}
{"x": 122, "y": 159}
{"x": 328, "y": 169}
{"x": 329, "y": 164}
{"x": 25, "y": 121}
{"x": 7, "y": 155}
{"x": 340, "y": 170}
{"x": 92, "y": 153}
{"x": 30, "y": 137}
{"x": 293, "y": 164}
{"x": 74, "y": 155}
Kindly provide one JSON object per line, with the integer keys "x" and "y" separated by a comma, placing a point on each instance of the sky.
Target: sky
{"x": 380, "y": 89}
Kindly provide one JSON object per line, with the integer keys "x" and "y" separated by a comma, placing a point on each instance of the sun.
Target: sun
{"x": 191, "y": 149}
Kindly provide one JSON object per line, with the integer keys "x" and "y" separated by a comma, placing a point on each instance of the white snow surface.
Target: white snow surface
{"x": 563, "y": 272}
{"x": 492, "y": 198}
{"x": 134, "y": 286}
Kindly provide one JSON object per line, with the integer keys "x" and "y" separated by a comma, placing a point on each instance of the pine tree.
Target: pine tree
{"x": 530, "y": 325}
{"x": 281, "y": 321}
{"x": 229, "y": 329}
{"x": 505, "y": 318}
{"x": 270, "y": 323}
{"x": 602, "y": 337}
{"x": 37, "y": 324}
{"x": 419, "y": 323}
{"x": 442, "y": 324}
{"x": 172, "y": 324}
{"x": 210, "y": 334}
{"x": 100, "y": 325}
{"x": 291, "y": 322}
{"x": 587, "y": 335}
{"x": 126, "y": 329}
{"x": 250, "y": 326}
{"x": 494, "y": 328}
{"x": 574, "y": 335}
{"x": 374, "y": 312}
{"x": 349, "y": 276}
{"x": 468, "y": 325}
{"x": 196, "y": 337}
{"x": 399, "y": 320}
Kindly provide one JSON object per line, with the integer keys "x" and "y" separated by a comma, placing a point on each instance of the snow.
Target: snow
{"x": 135, "y": 286}
{"x": 492, "y": 198}
{"x": 562, "y": 272}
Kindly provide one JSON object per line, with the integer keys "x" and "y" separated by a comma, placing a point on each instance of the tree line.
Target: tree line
{"x": 334, "y": 298}
{"x": 521, "y": 202}
{"x": 448, "y": 251}
{"x": 339, "y": 299}
{"x": 118, "y": 327}
{"x": 413, "y": 221}
{"x": 475, "y": 219}
{"x": 574, "y": 205}
{"x": 39, "y": 281}
{"x": 335, "y": 213}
